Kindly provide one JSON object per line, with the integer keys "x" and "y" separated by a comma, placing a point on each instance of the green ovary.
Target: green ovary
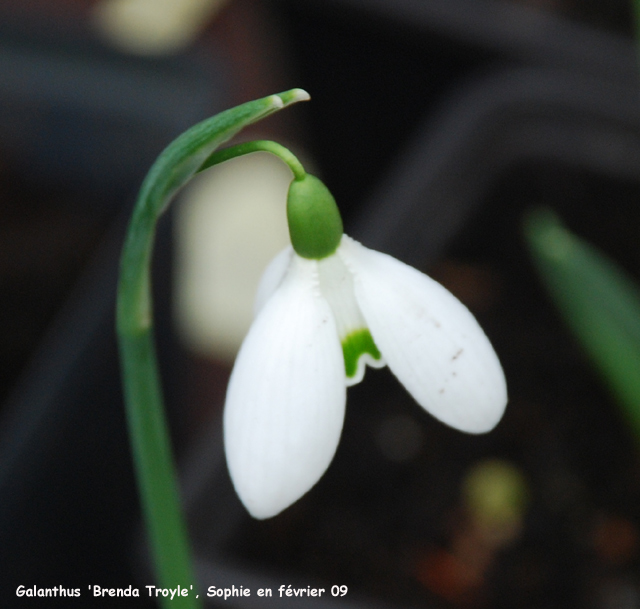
{"x": 353, "y": 346}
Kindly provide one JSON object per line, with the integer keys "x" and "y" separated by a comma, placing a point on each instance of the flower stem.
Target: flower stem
{"x": 219, "y": 156}
{"x": 150, "y": 441}
{"x": 148, "y": 431}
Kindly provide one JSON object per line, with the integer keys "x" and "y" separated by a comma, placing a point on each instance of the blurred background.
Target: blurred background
{"x": 437, "y": 124}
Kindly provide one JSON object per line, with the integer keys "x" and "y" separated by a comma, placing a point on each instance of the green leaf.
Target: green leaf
{"x": 175, "y": 166}
{"x": 148, "y": 432}
{"x": 600, "y": 302}
{"x": 184, "y": 156}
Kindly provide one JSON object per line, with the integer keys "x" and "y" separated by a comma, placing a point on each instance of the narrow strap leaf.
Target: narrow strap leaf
{"x": 179, "y": 161}
{"x": 598, "y": 300}
{"x": 148, "y": 430}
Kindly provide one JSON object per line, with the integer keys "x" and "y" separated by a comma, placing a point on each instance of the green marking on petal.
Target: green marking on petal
{"x": 355, "y": 345}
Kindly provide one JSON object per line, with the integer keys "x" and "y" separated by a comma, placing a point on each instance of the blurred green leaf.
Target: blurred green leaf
{"x": 600, "y": 302}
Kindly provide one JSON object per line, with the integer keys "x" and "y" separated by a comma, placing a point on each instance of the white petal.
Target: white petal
{"x": 286, "y": 396}
{"x": 430, "y": 340}
{"x": 272, "y": 277}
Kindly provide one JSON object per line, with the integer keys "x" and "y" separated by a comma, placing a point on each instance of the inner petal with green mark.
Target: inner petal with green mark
{"x": 358, "y": 346}
{"x": 359, "y": 349}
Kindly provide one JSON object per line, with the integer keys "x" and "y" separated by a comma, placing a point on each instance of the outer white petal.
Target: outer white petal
{"x": 272, "y": 277}
{"x": 430, "y": 340}
{"x": 286, "y": 396}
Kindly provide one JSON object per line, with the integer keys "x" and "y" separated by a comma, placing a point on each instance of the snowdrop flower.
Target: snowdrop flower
{"x": 326, "y": 307}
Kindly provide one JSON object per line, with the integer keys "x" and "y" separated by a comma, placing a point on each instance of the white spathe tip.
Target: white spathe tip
{"x": 429, "y": 339}
{"x": 293, "y": 96}
{"x": 286, "y": 397}
{"x": 299, "y": 95}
